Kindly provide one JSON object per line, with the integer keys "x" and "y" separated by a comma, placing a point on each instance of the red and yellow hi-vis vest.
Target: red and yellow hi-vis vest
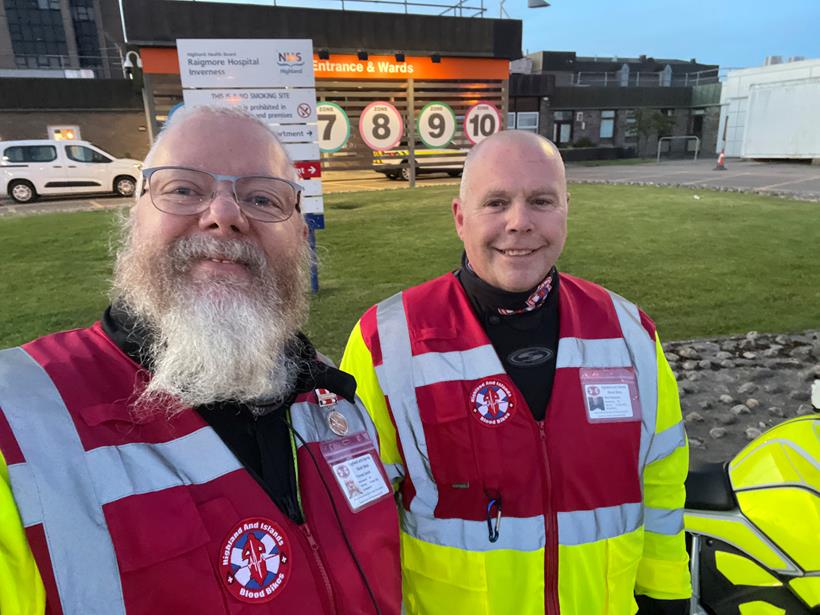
{"x": 591, "y": 510}
{"x": 160, "y": 516}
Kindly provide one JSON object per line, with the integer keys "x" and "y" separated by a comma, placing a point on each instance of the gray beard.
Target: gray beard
{"x": 219, "y": 340}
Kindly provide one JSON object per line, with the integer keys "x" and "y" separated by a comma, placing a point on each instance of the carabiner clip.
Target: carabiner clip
{"x": 494, "y": 531}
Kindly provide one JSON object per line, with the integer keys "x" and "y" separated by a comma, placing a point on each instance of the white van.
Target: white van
{"x": 37, "y": 167}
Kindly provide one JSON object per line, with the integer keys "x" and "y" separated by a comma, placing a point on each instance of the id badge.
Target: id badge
{"x": 355, "y": 464}
{"x": 610, "y": 394}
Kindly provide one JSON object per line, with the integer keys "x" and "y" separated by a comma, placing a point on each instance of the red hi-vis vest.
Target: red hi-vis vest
{"x": 591, "y": 497}
{"x": 159, "y": 516}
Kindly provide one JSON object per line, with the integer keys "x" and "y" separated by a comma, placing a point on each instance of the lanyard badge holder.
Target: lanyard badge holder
{"x": 610, "y": 394}
{"x": 353, "y": 459}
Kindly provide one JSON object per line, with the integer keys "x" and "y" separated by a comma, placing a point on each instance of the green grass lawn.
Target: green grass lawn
{"x": 724, "y": 264}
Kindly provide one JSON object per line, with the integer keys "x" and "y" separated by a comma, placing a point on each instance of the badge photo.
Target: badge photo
{"x": 254, "y": 560}
{"x": 491, "y": 402}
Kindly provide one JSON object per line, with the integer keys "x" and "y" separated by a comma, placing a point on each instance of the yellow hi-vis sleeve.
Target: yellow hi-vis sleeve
{"x": 357, "y": 360}
{"x": 21, "y": 588}
{"x": 663, "y": 572}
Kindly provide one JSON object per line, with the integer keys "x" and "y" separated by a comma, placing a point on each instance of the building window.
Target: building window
{"x": 607, "y": 124}
{"x": 37, "y": 33}
{"x": 527, "y": 121}
{"x": 510, "y": 121}
{"x": 85, "y": 31}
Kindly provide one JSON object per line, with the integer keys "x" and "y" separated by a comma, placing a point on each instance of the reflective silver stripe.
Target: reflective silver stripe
{"x": 310, "y": 421}
{"x": 666, "y": 442}
{"x": 642, "y": 351}
{"x": 583, "y": 526}
{"x": 663, "y": 521}
{"x": 132, "y": 469}
{"x": 472, "y": 364}
{"x": 75, "y": 529}
{"x": 517, "y": 533}
{"x": 397, "y": 364}
{"x": 575, "y": 352}
{"x": 27, "y": 499}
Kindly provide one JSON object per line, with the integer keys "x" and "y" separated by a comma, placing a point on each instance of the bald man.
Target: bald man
{"x": 190, "y": 452}
{"x": 529, "y": 415}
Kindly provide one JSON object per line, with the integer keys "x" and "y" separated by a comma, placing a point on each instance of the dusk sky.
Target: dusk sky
{"x": 732, "y": 33}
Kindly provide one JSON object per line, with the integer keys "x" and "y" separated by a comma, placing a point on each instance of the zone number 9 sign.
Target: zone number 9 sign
{"x": 436, "y": 124}
{"x": 481, "y": 121}
{"x": 381, "y": 126}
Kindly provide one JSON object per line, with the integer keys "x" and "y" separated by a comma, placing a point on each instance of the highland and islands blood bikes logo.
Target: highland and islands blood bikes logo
{"x": 491, "y": 402}
{"x": 254, "y": 560}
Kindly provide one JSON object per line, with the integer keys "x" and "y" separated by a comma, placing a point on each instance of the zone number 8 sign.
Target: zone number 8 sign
{"x": 381, "y": 126}
{"x": 481, "y": 121}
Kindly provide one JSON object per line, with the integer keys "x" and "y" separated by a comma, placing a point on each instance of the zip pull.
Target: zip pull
{"x": 494, "y": 529}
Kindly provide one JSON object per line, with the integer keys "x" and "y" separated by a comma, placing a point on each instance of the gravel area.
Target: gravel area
{"x": 734, "y": 388}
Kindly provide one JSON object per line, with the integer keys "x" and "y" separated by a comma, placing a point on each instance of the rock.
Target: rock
{"x": 727, "y": 399}
{"x": 727, "y": 364}
{"x": 749, "y": 355}
{"x": 773, "y": 388}
{"x": 762, "y": 374}
{"x": 727, "y": 419}
{"x": 705, "y": 404}
{"x": 693, "y": 376}
{"x": 690, "y": 365}
{"x": 752, "y": 433}
{"x": 782, "y": 340}
{"x": 689, "y": 387}
{"x": 751, "y": 403}
{"x": 746, "y": 387}
{"x": 706, "y": 364}
{"x": 801, "y": 352}
{"x": 789, "y": 363}
{"x": 799, "y": 395}
{"x": 770, "y": 353}
{"x": 694, "y": 417}
{"x": 740, "y": 409}
{"x": 671, "y": 356}
{"x": 723, "y": 355}
{"x": 717, "y": 432}
{"x": 761, "y": 424}
{"x": 804, "y": 409}
{"x": 752, "y": 335}
{"x": 808, "y": 375}
{"x": 775, "y": 411}
{"x": 687, "y": 352}
{"x": 746, "y": 345}
{"x": 695, "y": 443}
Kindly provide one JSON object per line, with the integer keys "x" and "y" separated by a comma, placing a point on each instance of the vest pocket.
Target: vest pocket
{"x": 623, "y": 556}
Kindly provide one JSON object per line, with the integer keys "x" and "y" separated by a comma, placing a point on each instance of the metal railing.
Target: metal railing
{"x": 458, "y": 8}
{"x": 644, "y": 79}
{"x": 689, "y": 137}
{"x": 107, "y": 65}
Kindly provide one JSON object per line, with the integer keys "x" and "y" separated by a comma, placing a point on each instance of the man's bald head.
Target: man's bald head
{"x": 503, "y": 144}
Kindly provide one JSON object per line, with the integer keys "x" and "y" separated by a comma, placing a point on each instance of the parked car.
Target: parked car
{"x": 395, "y": 163}
{"x": 37, "y": 167}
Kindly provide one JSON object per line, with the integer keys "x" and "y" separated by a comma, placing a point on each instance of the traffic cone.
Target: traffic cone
{"x": 721, "y": 162}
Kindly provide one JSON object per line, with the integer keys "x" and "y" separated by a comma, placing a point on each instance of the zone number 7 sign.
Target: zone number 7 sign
{"x": 334, "y": 127}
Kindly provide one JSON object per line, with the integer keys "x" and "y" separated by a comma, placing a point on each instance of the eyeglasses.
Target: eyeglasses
{"x": 188, "y": 192}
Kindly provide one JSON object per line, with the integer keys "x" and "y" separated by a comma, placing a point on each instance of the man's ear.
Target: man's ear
{"x": 458, "y": 217}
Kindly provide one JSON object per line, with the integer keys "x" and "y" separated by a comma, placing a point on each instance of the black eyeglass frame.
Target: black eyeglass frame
{"x": 147, "y": 173}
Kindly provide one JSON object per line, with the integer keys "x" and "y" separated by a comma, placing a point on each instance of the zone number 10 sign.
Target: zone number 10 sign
{"x": 381, "y": 126}
{"x": 481, "y": 121}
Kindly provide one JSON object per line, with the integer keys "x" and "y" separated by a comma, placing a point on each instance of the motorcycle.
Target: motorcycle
{"x": 753, "y": 525}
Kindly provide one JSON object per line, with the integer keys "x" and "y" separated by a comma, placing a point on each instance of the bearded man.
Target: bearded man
{"x": 189, "y": 453}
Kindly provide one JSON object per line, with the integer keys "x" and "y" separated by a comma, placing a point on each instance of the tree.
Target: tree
{"x": 649, "y": 123}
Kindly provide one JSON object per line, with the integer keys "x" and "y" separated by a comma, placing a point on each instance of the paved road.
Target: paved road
{"x": 786, "y": 179}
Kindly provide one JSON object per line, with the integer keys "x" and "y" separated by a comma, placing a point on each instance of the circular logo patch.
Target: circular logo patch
{"x": 491, "y": 402}
{"x": 254, "y": 560}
